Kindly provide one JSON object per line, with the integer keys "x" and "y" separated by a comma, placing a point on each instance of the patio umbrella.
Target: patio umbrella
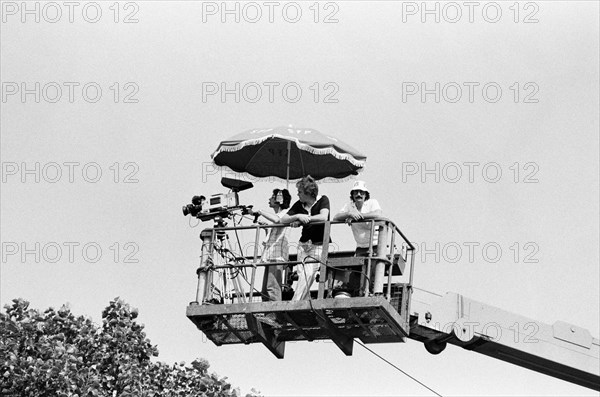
{"x": 289, "y": 153}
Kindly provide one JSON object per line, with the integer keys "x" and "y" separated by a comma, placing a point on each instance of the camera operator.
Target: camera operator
{"x": 275, "y": 246}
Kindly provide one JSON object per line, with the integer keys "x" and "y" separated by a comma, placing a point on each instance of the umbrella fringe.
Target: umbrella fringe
{"x": 301, "y": 146}
{"x": 243, "y": 175}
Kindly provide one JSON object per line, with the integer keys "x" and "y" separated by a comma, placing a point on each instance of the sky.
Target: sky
{"x": 480, "y": 129}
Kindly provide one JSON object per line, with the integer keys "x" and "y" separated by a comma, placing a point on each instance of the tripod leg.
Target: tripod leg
{"x": 235, "y": 280}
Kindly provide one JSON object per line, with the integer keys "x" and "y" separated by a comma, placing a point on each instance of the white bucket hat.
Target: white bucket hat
{"x": 360, "y": 185}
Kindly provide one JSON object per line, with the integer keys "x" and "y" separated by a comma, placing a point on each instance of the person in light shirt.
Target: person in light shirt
{"x": 276, "y": 245}
{"x": 360, "y": 207}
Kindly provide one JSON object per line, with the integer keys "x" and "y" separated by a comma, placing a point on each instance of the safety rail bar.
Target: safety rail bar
{"x": 384, "y": 257}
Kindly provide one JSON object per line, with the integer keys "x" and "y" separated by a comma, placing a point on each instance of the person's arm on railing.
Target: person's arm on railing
{"x": 294, "y": 217}
{"x": 292, "y": 214}
{"x": 347, "y": 213}
{"x": 290, "y": 218}
{"x": 372, "y": 215}
{"x": 322, "y": 217}
{"x": 304, "y": 219}
{"x": 356, "y": 216}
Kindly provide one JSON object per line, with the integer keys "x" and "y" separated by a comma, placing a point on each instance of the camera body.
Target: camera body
{"x": 221, "y": 201}
{"x": 219, "y": 205}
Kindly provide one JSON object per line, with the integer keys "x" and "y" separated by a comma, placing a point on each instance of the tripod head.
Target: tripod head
{"x": 220, "y": 222}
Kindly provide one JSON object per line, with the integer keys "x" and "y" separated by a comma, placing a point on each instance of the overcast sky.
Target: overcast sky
{"x": 480, "y": 129}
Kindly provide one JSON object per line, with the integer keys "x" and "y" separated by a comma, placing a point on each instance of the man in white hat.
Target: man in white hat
{"x": 360, "y": 207}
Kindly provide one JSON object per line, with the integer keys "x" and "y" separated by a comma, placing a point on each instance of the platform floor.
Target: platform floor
{"x": 371, "y": 319}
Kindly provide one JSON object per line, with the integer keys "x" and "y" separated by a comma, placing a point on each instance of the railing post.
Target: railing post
{"x": 205, "y": 262}
{"x": 323, "y": 279}
{"x": 253, "y": 277}
{"x": 412, "y": 266}
{"x": 366, "y": 281}
{"x": 391, "y": 268}
{"x": 380, "y": 265}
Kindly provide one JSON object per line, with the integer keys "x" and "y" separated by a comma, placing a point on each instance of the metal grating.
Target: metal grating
{"x": 372, "y": 320}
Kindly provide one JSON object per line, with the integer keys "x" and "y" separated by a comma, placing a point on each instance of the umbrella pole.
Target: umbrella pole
{"x": 287, "y": 177}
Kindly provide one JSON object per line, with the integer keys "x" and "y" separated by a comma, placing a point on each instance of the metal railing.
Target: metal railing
{"x": 215, "y": 241}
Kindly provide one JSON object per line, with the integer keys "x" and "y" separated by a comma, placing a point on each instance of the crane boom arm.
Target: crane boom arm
{"x": 559, "y": 350}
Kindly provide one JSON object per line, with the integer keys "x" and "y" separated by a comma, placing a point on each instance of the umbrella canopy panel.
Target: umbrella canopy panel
{"x": 277, "y": 151}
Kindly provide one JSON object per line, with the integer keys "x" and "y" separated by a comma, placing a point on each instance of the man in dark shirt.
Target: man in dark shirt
{"x": 310, "y": 208}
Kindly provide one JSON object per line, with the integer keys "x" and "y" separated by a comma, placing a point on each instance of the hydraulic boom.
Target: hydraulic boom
{"x": 561, "y": 350}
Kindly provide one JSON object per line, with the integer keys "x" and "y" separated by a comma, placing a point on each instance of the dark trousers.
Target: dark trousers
{"x": 348, "y": 279}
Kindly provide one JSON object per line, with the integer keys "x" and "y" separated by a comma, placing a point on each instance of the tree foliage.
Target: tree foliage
{"x": 55, "y": 353}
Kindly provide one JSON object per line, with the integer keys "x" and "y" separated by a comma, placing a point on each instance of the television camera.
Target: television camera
{"x": 219, "y": 206}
